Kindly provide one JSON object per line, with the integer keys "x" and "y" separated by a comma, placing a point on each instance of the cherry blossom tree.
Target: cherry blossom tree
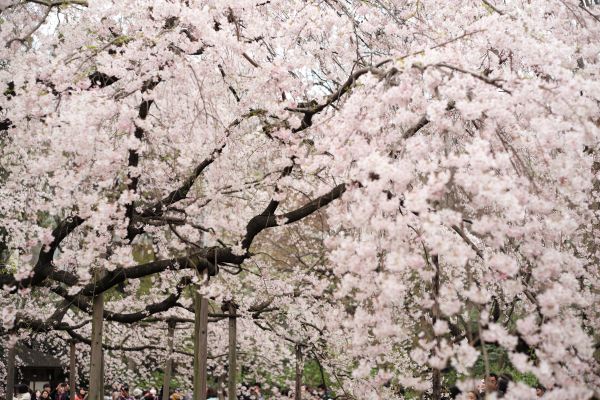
{"x": 450, "y": 150}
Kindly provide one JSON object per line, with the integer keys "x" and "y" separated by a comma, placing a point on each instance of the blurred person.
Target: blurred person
{"x": 540, "y": 390}
{"x": 472, "y": 395}
{"x": 491, "y": 383}
{"x": 323, "y": 393}
{"x": 81, "y": 394}
{"x": 150, "y": 394}
{"x": 255, "y": 392}
{"x": 116, "y": 390}
{"x": 503, "y": 382}
{"x": 211, "y": 394}
{"x": 60, "y": 393}
{"x": 22, "y": 392}
{"x": 453, "y": 392}
{"x": 176, "y": 395}
{"x": 481, "y": 388}
{"x": 124, "y": 393}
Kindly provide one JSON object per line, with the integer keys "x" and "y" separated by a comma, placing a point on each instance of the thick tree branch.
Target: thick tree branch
{"x": 101, "y": 80}
{"x": 59, "y": 3}
{"x": 84, "y": 304}
{"x": 313, "y": 107}
{"x": 44, "y": 266}
{"x": 54, "y": 322}
{"x": 82, "y": 339}
{"x": 181, "y": 192}
{"x": 197, "y": 261}
{"x": 206, "y": 259}
{"x": 260, "y": 222}
{"x": 134, "y": 157}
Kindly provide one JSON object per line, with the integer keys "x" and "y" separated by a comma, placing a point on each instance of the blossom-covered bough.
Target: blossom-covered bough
{"x": 435, "y": 162}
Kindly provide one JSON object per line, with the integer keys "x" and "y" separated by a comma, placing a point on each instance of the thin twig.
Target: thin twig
{"x": 24, "y": 38}
{"x": 250, "y": 60}
{"x": 597, "y": 18}
{"x": 493, "y": 82}
{"x": 60, "y": 3}
{"x": 487, "y": 3}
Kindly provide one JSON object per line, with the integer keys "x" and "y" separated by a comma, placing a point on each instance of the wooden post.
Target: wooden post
{"x": 436, "y": 386}
{"x": 299, "y": 368}
{"x": 102, "y": 369}
{"x": 436, "y": 374}
{"x": 221, "y": 393}
{"x": 231, "y": 389}
{"x": 72, "y": 370}
{"x": 169, "y": 363}
{"x": 200, "y": 345}
{"x": 96, "y": 370}
{"x": 10, "y": 372}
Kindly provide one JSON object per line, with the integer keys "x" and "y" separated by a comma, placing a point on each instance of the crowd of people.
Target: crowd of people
{"x": 245, "y": 392}
{"x": 61, "y": 392}
{"x": 123, "y": 392}
{"x": 494, "y": 383}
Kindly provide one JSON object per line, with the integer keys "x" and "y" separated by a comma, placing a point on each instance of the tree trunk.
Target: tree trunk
{"x": 169, "y": 363}
{"x": 72, "y": 370}
{"x": 436, "y": 375}
{"x": 299, "y": 368}
{"x": 200, "y": 345}
{"x": 221, "y": 393}
{"x": 436, "y": 380}
{"x": 96, "y": 367}
{"x": 10, "y": 372}
{"x": 232, "y": 395}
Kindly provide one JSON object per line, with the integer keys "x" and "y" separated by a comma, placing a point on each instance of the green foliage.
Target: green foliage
{"x": 121, "y": 40}
{"x": 311, "y": 376}
{"x": 143, "y": 253}
{"x": 255, "y": 112}
{"x": 314, "y": 375}
{"x": 499, "y": 363}
{"x": 45, "y": 220}
{"x": 157, "y": 381}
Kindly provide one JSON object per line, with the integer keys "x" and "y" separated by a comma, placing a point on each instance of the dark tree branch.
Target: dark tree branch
{"x": 101, "y": 80}
{"x": 410, "y": 132}
{"x": 260, "y": 222}
{"x": 489, "y": 81}
{"x": 134, "y": 157}
{"x": 181, "y": 192}
{"x": 273, "y": 204}
{"x": 313, "y": 107}
{"x": 59, "y": 3}
{"x": 82, "y": 339}
{"x": 198, "y": 261}
{"x": 206, "y": 259}
{"x": 54, "y": 322}
{"x": 84, "y": 304}
{"x": 44, "y": 266}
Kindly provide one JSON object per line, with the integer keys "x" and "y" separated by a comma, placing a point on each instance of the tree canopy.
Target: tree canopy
{"x": 393, "y": 185}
